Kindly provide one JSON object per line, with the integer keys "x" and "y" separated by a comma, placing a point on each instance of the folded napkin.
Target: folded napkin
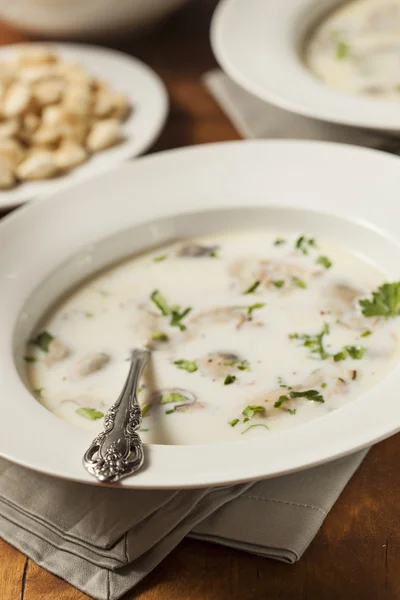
{"x": 105, "y": 540}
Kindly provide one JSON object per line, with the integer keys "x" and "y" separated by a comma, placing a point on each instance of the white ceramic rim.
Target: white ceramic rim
{"x": 257, "y": 43}
{"x": 126, "y": 74}
{"x": 336, "y": 179}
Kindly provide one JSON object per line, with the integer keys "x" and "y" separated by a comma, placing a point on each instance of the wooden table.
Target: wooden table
{"x": 355, "y": 554}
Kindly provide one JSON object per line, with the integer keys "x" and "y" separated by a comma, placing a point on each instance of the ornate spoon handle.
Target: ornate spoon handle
{"x": 118, "y": 451}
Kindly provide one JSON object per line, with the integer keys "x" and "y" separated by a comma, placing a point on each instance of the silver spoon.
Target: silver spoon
{"x": 118, "y": 451}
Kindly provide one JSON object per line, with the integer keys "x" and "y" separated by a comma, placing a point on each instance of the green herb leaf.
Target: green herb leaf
{"x": 366, "y": 333}
{"x": 244, "y": 366}
{"x": 324, "y": 262}
{"x": 233, "y": 422}
{"x": 292, "y": 411}
{"x": 170, "y": 411}
{"x": 160, "y": 258}
{"x": 280, "y": 401}
{"x": 250, "y": 411}
{"x": 385, "y": 301}
{"x": 38, "y": 392}
{"x": 30, "y": 359}
{"x": 280, "y": 283}
{"x": 279, "y": 241}
{"x": 300, "y": 283}
{"x": 145, "y": 408}
{"x": 170, "y": 397}
{"x": 89, "y": 413}
{"x": 177, "y": 317}
{"x": 255, "y": 425}
{"x": 186, "y": 365}
{"x": 342, "y": 355}
{"x": 309, "y": 394}
{"x": 159, "y": 336}
{"x": 342, "y": 49}
{"x": 161, "y": 303}
{"x": 304, "y": 244}
{"x": 43, "y": 340}
{"x": 323, "y": 385}
{"x": 229, "y": 379}
{"x": 252, "y": 288}
{"x": 254, "y": 307}
{"x": 355, "y": 352}
{"x": 314, "y": 342}
{"x": 89, "y": 315}
{"x": 213, "y": 254}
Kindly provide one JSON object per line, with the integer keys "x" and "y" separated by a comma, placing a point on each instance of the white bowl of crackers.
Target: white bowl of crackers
{"x": 70, "y": 111}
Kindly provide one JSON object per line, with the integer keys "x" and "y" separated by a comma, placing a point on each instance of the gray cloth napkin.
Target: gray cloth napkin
{"x": 105, "y": 540}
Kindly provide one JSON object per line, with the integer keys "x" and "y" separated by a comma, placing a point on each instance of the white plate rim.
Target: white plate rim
{"x": 207, "y": 465}
{"x": 148, "y": 122}
{"x": 256, "y": 43}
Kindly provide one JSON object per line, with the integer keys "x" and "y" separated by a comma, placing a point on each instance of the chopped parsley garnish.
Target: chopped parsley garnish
{"x": 279, "y": 283}
{"x": 160, "y": 258}
{"x": 170, "y": 397}
{"x": 89, "y": 315}
{"x": 250, "y": 411}
{"x": 252, "y": 288}
{"x": 233, "y": 422}
{"x": 355, "y": 352}
{"x": 161, "y": 303}
{"x": 385, "y": 301}
{"x": 309, "y": 394}
{"x": 229, "y": 379}
{"x": 254, "y": 307}
{"x": 292, "y": 411}
{"x": 213, "y": 254}
{"x": 170, "y": 411}
{"x": 304, "y": 244}
{"x": 255, "y": 425}
{"x": 89, "y": 413}
{"x": 145, "y": 409}
{"x": 342, "y": 49}
{"x": 159, "y": 336}
{"x": 342, "y": 355}
{"x": 38, "y": 392}
{"x": 43, "y": 340}
{"x": 279, "y": 241}
{"x": 314, "y": 342}
{"x": 366, "y": 333}
{"x": 324, "y": 262}
{"x": 300, "y": 283}
{"x": 166, "y": 310}
{"x": 186, "y": 365}
{"x": 313, "y": 395}
{"x": 323, "y": 385}
{"x": 30, "y": 359}
{"x": 176, "y": 317}
{"x": 242, "y": 365}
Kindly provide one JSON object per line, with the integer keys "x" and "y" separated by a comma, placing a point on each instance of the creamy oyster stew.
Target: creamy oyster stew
{"x": 251, "y": 333}
{"x": 357, "y": 48}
